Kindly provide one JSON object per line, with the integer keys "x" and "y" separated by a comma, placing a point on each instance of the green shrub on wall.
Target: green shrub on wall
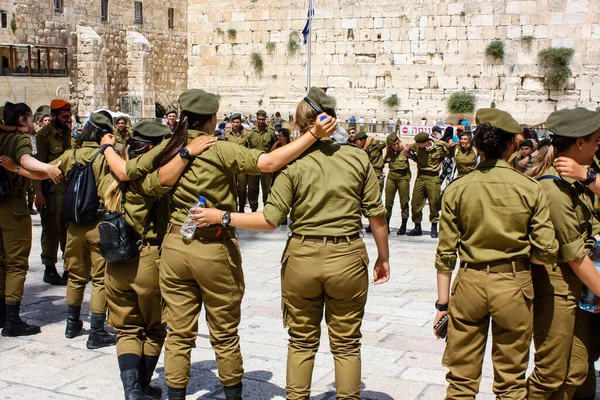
{"x": 556, "y": 60}
{"x": 392, "y": 101}
{"x": 257, "y": 63}
{"x": 495, "y": 50}
{"x": 461, "y": 103}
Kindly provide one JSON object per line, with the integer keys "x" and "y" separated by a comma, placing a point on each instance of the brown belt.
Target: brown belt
{"x": 326, "y": 239}
{"x": 499, "y": 266}
{"x": 207, "y": 235}
{"x": 428, "y": 173}
{"x": 400, "y": 171}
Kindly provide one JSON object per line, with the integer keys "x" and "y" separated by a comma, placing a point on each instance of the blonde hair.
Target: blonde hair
{"x": 543, "y": 160}
{"x": 305, "y": 117}
{"x": 113, "y": 194}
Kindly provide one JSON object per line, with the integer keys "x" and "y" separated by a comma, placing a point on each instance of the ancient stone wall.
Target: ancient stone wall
{"x": 422, "y": 51}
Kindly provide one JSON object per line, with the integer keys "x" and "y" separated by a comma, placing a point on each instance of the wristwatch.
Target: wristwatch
{"x": 226, "y": 219}
{"x": 441, "y": 307}
{"x": 591, "y": 177}
{"x": 185, "y": 154}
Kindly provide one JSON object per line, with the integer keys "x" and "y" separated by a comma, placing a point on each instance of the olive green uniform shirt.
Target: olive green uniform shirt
{"x": 375, "y": 152}
{"x": 429, "y": 161}
{"x": 571, "y": 210}
{"x": 15, "y": 145}
{"x": 143, "y": 165}
{"x": 327, "y": 188}
{"x": 398, "y": 161}
{"x": 84, "y": 155}
{"x": 241, "y": 139}
{"x": 51, "y": 144}
{"x": 262, "y": 141}
{"x": 494, "y": 214}
{"x": 466, "y": 161}
{"x": 211, "y": 175}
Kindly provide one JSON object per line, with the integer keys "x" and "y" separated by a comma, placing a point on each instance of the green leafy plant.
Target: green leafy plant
{"x": 392, "y": 101}
{"x": 257, "y": 62}
{"x": 231, "y": 33}
{"x": 556, "y": 60}
{"x": 292, "y": 45}
{"x": 461, "y": 103}
{"x": 271, "y": 48}
{"x": 274, "y": 76}
{"x": 495, "y": 49}
{"x": 13, "y": 24}
{"x": 527, "y": 39}
{"x": 219, "y": 31}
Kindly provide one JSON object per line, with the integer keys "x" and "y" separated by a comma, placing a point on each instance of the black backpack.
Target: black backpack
{"x": 81, "y": 203}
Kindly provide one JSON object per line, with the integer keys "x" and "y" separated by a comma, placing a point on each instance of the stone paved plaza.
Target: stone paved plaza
{"x": 401, "y": 357}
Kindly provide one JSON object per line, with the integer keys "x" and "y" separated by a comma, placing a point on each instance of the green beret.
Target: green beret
{"x": 526, "y": 143}
{"x": 261, "y": 113}
{"x": 197, "y": 101}
{"x": 422, "y": 137}
{"x": 236, "y": 116}
{"x": 150, "y": 131}
{"x": 100, "y": 121}
{"x": 576, "y": 122}
{"x": 392, "y": 137}
{"x": 498, "y": 119}
{"x": 171, "y": 109}
{"x": 320, "y": 102}
{"x": 360, "y": 136}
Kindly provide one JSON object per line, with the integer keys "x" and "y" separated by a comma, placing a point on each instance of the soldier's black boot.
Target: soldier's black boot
{"x": 74, "y": 324}
{"x": 434, "y": 231}
{"x": 52, "y": 277}
{"x": 132, "y": 389}
{"x": 2, "y": 311}
{"x": 146, "y": 370}
{"x": 14, "y": 325}
{"x": 177, "y": 393}
{"x": 98, "y": 336}
{"x": 233, "y": 392}
{"x": 402, "y": 230}
{"x": 416, "y": 230}
{"x": 388, "y": 223}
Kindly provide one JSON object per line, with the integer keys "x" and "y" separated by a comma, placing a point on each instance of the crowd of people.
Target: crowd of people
{"x": 148, "y": 214}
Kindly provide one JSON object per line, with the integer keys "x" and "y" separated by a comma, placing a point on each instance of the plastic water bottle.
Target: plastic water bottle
{"x": 189, "y": 227}
{"x": 340, "y": 135}
{"x": 588, "y": 300}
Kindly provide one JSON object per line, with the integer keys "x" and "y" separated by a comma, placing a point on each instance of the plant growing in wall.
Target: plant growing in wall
{"x": 271, "y": 48}
{"x": 556, "y": 60}
{"x": 495, "y": 49}
{"x": 392, "y": 101}
{"x": 219, "y": 31}
{"x": 292, "y": 45}
{"x": 461, "y": 103}
{"x": 231, "y": 33}
{"x": 13, "y": 24}
{"x": 257, "y": 62}
{"x": 527, "y": 39}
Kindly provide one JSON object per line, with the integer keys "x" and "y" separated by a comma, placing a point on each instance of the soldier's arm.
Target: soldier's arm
{"x": 169, "y": 174}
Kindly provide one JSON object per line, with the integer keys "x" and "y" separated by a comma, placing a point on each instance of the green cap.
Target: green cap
{"x": 392, "y": 137}
{"x": 320, "y": 102}
{"x": 198, "y": 101}
{"x": 262, "y": 113}
{"x": 576, "y": 122}
{"x": 101, "y": 121}
{"x": 150, "y": 131}
{"x": 526, "y": 143}
{"x": 236, "y": 116}
{"x": 360, "y": 136}
{"x": 498, "y": 119}
{"x": 171, "y": 109}
{"x": 422, "y": 137}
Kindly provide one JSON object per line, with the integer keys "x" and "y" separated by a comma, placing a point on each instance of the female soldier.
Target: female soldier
{"x": 15, "y": 220}
{"x": 398, "y": 179}
{"x": 561, "y": 332}
{"x": 465, "y": 156}
{"x": 507, "y": 222}
{"x": 207, "y": 269}
{"x": 325, "y": 262}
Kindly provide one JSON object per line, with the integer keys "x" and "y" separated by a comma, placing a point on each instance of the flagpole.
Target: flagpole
{"x": 308, "y": 61}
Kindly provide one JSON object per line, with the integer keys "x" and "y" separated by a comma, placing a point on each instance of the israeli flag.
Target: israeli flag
{"x": 311, "y": 14}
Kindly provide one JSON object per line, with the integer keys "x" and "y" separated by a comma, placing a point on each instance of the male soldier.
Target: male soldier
{"x": 52, "y": 140}
{"x": 523, "y": 160}
{"x": 237, "y": 134}
{"x": 351, "y": 135}
{"x": 428, "y": 153}
{"x": 122, "y": 130}
{"x": 262, "y": 138}
{"x": 171, "y": 116}
{"x": 398, "y": 179}
{"x": 375, "y": 151}
{"x": 41, "y": 117}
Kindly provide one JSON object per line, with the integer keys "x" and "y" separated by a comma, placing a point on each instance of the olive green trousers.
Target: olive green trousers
{"x": 15, "y": 246}
{"x": 427, "y": 188}
{"x": 397, "y": 183}
{"x": 317, "y": 276}
{"x": 134, "y": 304}
{"x": 191, "y": 275}
{"x": 241, "y": 186}
{"x": 561, "y": 334}
{"x": 477, "y": 299}
{"x": 54, "y": 229}
{"x": 82, "y": 257}
{"x": 254, "y": 181}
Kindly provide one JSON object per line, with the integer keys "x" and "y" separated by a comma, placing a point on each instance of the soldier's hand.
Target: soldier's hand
{"x": 206, "y": 216}
{"x": 54, "y": 172}
{"x": 40, "y": 201}
{"x": 8, "y": 163}
{"x": 524, "y": 162}
{"x": 569, "y": 168}
{"x": 381, "y": 271}
{"x": 28, "y": 130}
{"x": 438, "y": 316}
{"x": 324, "y": 128}
{"x": 109, "y": 138}
{"x": 200, "y": 144}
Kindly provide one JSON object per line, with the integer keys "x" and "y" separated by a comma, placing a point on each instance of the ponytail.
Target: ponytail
{"x": 543, "y": 160}
{"x": 13, "y": 112}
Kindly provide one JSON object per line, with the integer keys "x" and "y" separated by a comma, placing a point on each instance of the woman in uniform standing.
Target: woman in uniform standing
{"x": 465, "y": 156}
{"x": 324, "y": 265}
{"x": 507, "y": 222}
{"x": 206, "y": 269}
{"x": 561, "y": 329}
